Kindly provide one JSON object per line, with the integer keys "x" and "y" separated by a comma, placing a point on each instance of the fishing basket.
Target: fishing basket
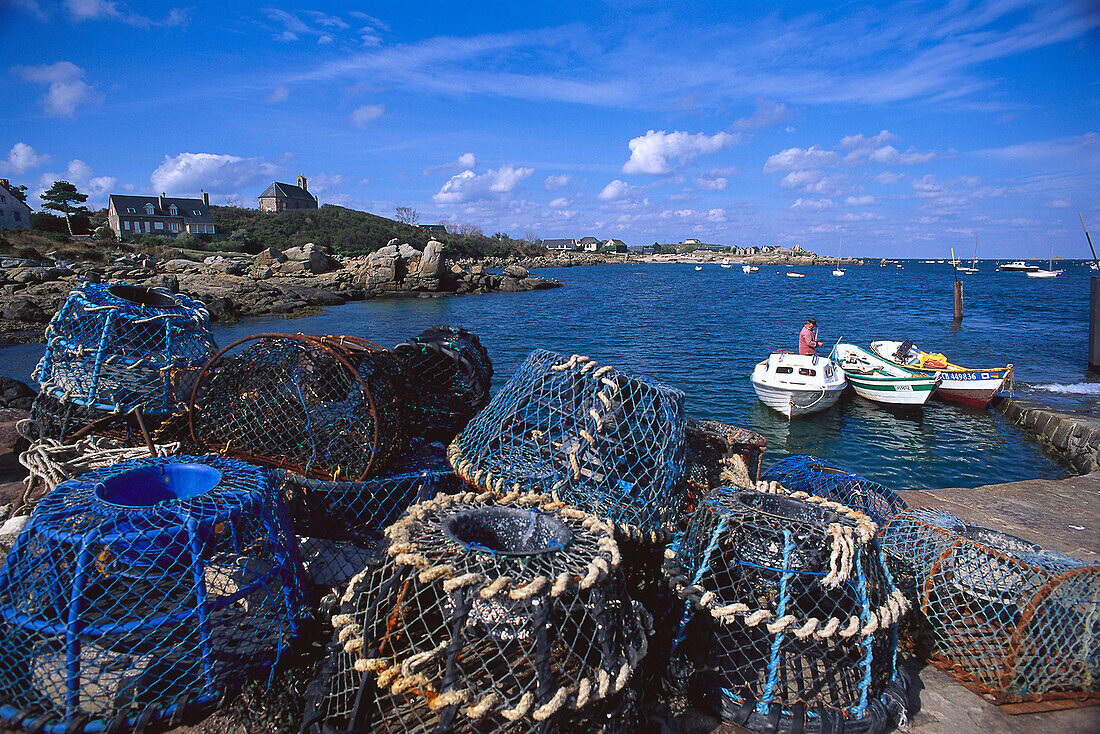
{"x": 320, "y": 406}
{"x": 1006, "y": 618}
{"x": 447, "y": 375}
{"x": 114, "y": 347}
{"x": 356, "y": 512}
{"x": 817, "y": 477}
{"x": 486, "y": 615}
{"x": 52, "y": 418}
{"x": 789, "y": 619}
{"x": 142, "y": 591}
{"x": 721, "y": 455}
{"x": 598, "y": 439}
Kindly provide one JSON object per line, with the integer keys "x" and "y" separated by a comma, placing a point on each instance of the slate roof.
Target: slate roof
{"x": 186, "y": 207}
{"x": 558, "y": 244}
{"x": 287, "y": 191}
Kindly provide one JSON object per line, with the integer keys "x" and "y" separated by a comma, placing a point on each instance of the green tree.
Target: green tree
{"x": 63, "y": 197}
{"x": 19, "y": 192}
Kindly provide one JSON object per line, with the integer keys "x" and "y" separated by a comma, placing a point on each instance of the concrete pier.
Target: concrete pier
{"x": 1073, "y": 437}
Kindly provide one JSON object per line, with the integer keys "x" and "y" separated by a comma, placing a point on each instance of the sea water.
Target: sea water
{"x": 702, "y": 332}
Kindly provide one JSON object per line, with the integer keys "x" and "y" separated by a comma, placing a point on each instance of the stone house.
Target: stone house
{"x": 588, "y": 244}
{"x": 14, "y": 213}
{"x": 560, "y": 245}
{"x": 279, "y": 197}
{"x": 129, "y": 216}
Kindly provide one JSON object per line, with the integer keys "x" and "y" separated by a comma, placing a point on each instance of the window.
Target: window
{"x": 784, "y": 370}
{"x": 131, "y": 210}
{"x": 18, "y": 215}
{"x": 173, "y": 226}
{"x": 158, "y": 225}
{"x": 807, "y": 372}
{"x": 126, "y": 224}
{"x": 149, "y": 209}
{"x": 173, "y": 210}
{"x": 196, "y": 212}
{"x": 2, "y": 199}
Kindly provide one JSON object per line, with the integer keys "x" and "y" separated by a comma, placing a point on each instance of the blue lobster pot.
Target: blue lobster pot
{"x": 142, "y": 591}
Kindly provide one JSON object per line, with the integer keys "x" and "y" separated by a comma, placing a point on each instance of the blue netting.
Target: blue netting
{"x": 814, "y": 476}
{"x": 357, "y": 512}
{"x": 1009, "y": 619}
{"x": 117, "y": 347}
{"x": 605, "y": 442}
{"x": 142, "y": 591}
{"x": 446, "y": 375}
{"x": 789, "y": 619}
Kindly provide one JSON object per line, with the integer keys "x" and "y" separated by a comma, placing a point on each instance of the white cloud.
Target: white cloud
{"x": 716, "y": 179}
{"x": 865, "y": 200}
{"x": 186, "y": 173}
{"x": 861, "y": 217}
{"x": 859, "y": 141}
{"x": 767, "y": 113}
{"x": 652, "y": 152}
{"x": 1078, "y": 147}
{"x": 493, "y": 184}
{"x": 465, "y": 162}
{"x": 613, "y": 191}
{"x": 560, "y": 203}
{"x": 66, "y": 89}
{"x": 795, "y": 158}
{"x": 1058, "y": 203}
{"x": 80, "y": 175}
{"x": 23, "y": 157}
{"x": 814, "y": 204}
{"x": 294, "y": 27}
{"x": 928, "y": 186}
{"x": 556, "y": 182}
{"x": 362, "y": 115}
{"x": 280, "y": 93}
{"x": 82, "y": 10}
{"x": 886, "y": 178}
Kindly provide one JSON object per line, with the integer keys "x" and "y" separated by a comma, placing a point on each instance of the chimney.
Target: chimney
{"x": 205, "y": 198}
{"x": 160, "y": 202}
{"x": 302, "y": 183}
{"x": 5, "y": 184}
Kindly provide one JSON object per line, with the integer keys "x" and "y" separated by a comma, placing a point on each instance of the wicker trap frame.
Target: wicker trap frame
{"x": 319, "y": 406}
{"x": 116, "y": 347}
{"x": 142, "y": 591}
{"x": 447, "y": 375}
{"x": 1005, "y": 617}
{"x": 790, "y": 617}
{"x": 602, "y": 441}
{"x": 721, "y": 455}
{"x": 357, "y": 512}
{"x": 486, "y": 615}
{"x": 814, "y": 476}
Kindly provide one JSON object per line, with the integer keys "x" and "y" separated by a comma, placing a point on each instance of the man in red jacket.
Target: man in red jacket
{"x": 807, "y": 338}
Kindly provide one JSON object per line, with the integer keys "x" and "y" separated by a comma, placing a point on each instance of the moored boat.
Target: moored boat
{"x": 796, "y": 384}
{"x": 876, "y": 379}
{"x": 749, "y": 268}
{"x": 796, "y": 275}
{"x": 1018, "y": 266}
{"x": 974, "y": 387}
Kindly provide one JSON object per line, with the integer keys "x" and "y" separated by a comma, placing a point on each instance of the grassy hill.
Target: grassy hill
{"x": 348, "y": 231}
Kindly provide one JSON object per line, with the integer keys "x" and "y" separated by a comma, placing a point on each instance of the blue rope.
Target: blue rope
{"x": 682, "y": 634}
{"x": 773, "y": 663}
{"x": 868, "y": 641}
{"x": 309, "y": 425}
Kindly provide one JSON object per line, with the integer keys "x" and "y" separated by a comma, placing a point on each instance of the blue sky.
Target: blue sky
{"x": 894, "y": 130}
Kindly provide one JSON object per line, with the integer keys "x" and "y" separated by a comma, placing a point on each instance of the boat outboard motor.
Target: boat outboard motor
{"x": 902, "y": 355}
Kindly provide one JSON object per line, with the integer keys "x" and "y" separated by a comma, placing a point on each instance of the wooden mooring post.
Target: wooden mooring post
{"x": 1094, "y": 324}
{"x": 958, "y": 300}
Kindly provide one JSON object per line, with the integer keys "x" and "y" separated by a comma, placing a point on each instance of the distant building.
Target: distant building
{"x": 588, "y": 244}
{"x": 615, "y": 246}
{"x": 434, "y": 228}
{"x": 560, "y": 245}
{"x": 279, "y": 197}
{"x": 14, "y": 214}
{"x": 692, "y": 241}
{"x": 133, "y": 215}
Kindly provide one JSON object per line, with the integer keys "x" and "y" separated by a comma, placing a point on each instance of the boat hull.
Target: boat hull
{"x": 894, "y": 390}
{"x": 974, "y": 387}
{"x": 793, "y": 403}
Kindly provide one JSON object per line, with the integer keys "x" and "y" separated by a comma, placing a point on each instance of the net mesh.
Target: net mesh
{"x": 356, "y": 512}
{"x": 602, "y": 441}
{"x": 319, "y": 406}
{"x": 447, "y": 375}
{"x": 1005, "y": 617}
{"x": 142, "y": 591}
{"x": 815, "y": 476}
{"x": 789, "y": 618}
{"x": 720, "y": 455}
{"x": 485, "y": 615}
{"x": 117, "y": 347}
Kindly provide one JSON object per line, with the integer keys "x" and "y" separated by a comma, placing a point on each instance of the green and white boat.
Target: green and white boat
{"x": 883, "y": 382}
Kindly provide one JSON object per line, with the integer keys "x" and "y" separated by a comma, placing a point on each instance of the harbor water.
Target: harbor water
{"x": 702, "y": 332}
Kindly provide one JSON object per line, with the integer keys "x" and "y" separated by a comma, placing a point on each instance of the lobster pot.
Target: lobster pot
{"x": 486, "y": 615}
{"x": 1005, "y": 617}
{"x": 600, "y": 440}
{"x": 447, "y": 375}
{"x": 356, "y": 512}
{"x": 141, "y": 591}
{"x": 322, "y": 407}
{"x": 789, "y": 615}
{"x": 52, "y": 418}
{"x": 117, "y": 347}
{"x": 721, "y": 455}
{"x": 814, "y": 476}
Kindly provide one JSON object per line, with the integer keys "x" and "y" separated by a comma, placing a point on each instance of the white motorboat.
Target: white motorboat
{"x": 1018, "y": 266}
{"x": 698, "y": 267}
{"x": 749, "y": 268}
{"x": 795, "y": 384}
{"x": 726, "y": 263}
{"x": 876, "y": 379}
{"x": 1050, "y": 272}
{"x": 796, "y": 275}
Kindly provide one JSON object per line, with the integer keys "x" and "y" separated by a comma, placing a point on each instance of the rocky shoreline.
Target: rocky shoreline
{"x": 272, "y": 282}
